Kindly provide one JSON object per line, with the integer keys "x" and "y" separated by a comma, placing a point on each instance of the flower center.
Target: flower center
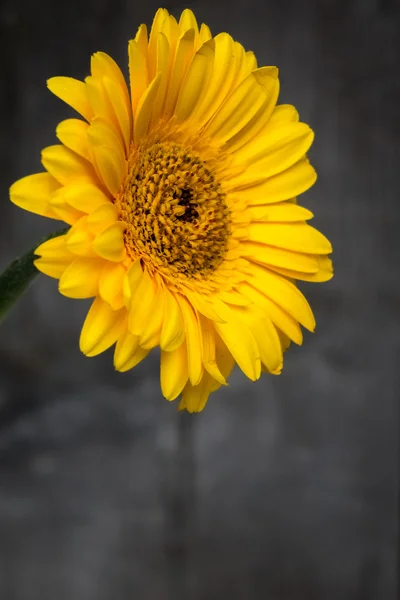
{"x": 175, "y": 211}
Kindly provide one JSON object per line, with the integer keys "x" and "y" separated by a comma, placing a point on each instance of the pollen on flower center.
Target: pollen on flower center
{"x": 174, "y": 208}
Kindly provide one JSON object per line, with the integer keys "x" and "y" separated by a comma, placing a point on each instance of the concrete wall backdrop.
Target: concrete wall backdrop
{"x": 289, "y": 490}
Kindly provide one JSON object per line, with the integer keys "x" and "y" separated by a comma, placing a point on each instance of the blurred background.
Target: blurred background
{"x": 281, "y": 490}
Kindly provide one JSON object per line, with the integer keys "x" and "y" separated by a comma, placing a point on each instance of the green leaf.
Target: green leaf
{"x": 17, "y": 277}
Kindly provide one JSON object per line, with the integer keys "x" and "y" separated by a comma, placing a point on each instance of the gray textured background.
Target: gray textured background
{"x": 289, "y": 490}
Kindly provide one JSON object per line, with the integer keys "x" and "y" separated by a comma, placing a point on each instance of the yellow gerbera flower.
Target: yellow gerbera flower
{"x": 181, "y": 197}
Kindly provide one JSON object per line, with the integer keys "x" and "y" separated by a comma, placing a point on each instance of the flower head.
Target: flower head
{"x": 181, "y": 197}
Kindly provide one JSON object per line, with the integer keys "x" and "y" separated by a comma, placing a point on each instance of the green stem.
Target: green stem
{"x": 16, "y": 278}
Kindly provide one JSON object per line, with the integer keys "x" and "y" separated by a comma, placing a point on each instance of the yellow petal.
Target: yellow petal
{"x": 111, "y": 170}
{"x": 204, "y": 34}
{"x": 243, "y": 104}
{"x": 85, "y": 197}
{"x": 278, "y": 316}
{"x": 225, "y": 360}
{"x": 132, "y": 280}
{"x": 188, "y": 21}
{"x": 73, "y": 92}
{"x": 193, "y": 341}
{"x": 275, "y": 148}
{"x": 79, "y": 239}
{"x": 141, "y": 38}
{"x": 134, "y": 359}
{"x": 60, "y": 207}
{"x": 81, "y": 278}
{"x": 285, "y": 341}
{"x": 122, "y": 110}
{"x": 173, "y": 372}
{"x": 250, "y": 61}
{"x": 171, "y": 30}
{"x": 157, "y": 27}
{"x": 270, "y": 85}
{"x": 54, "y": 257}
{"x": 233, "y": 297}
{"x": 255, "y": 188}
{"x": 172, "y": 332}
{"x": 102, "y": 107}
{"x": 205, "y": 307}
{"x": 102, "y": 65}
{"x": 207, "y": 335}
{"x": 151, "y": 334}
{"x": 110, "y": 244}
{"x": 279, "y": 257}
{"x": 127, "y": 352}
{"x": 143, "y": 113}
{"x": 138, "y": 69}
{"x": 80, "y": 243}
{"x": 284, "y": 112}
{"x": 111, "y": 284}
{"x": 73, "y": 134}
{"x": 33, "y": 193}
{"x": 324, "y": 273}
{"x": 108, "y": 153}
{"x": 279, "y": 213}
{"x": 53, "y": 267}
{"x": 284, "y": 293}
{"x": 238, "y": 68}
{"x": 101, "y": 329}
{"x": 162, "y": 68}
{"x": 220, "y": 80}
{"x": 195, "y": 81}
{"x": 143, "y": 299}
{"x": 66, "y": 166}
{"x": 126, "y": 292}
{"x": 325, "y": 264}
{"x": 297, "y": 237}
{"x": 105, "y": 68}
{"x": 265, "y": 335}
{"x": 103, "y": 216}
{"x": 183, "y": 55}
{"x": 54, "y": 248}
{"x": 194, "y": 398}
{"x": 241, "y": 343}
